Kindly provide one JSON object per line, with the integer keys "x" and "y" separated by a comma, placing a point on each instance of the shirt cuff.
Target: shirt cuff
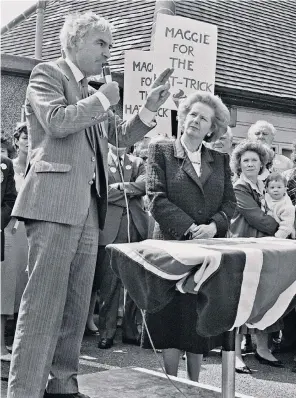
{"x": 147, "y": 117}
{"x": 103, "y": 99}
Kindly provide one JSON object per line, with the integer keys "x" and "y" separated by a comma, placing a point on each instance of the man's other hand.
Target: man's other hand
{"x": 111, "y": 91}
{"x": 159, "y": 92}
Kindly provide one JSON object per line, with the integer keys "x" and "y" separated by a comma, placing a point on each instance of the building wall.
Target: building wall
{"x": 284, "y": 123}
{"x": 13, "y": 92}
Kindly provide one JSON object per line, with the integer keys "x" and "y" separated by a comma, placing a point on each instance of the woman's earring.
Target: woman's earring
{"x": 209, "y": 135}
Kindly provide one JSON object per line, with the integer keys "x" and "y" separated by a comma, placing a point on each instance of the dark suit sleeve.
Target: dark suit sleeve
{"x": 133, "y": 188}
{"x": 252, "y": 213}
{"x": 138, "y": 186}
{"x": 9, "y": 196}
{"x": 167, "y": 214}
{"x": 223, "y": 217}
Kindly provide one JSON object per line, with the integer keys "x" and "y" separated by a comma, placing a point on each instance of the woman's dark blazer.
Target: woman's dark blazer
{"x": 179, "y": 198}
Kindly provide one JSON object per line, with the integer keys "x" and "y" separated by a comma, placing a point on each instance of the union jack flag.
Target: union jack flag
{"x": 232, "y": 281}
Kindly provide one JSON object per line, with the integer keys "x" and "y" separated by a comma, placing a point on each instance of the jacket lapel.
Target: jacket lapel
{"x": 113, "y": 170}
{"x": 187, "y": 166}
{"x": 206, "y": 168}
{"x": 77, "y": 95}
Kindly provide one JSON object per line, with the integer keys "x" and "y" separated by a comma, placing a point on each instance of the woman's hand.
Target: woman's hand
{"x": 204, "y": 231}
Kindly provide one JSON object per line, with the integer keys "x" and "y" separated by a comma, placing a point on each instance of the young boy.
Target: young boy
{"x": 279, "y": 205}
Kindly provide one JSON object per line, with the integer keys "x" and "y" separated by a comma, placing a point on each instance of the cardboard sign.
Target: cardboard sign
{"x": 139, "y": 76}
{"x": 190, "y": 47}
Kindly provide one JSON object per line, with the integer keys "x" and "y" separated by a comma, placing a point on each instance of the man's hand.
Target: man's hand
{"x": 204, "y": 231}
{"x": 159, "y": 92}
{"x": 111, "y": 91}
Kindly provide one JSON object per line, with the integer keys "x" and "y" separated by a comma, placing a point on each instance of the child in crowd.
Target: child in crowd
{"x": 279, "y": 205}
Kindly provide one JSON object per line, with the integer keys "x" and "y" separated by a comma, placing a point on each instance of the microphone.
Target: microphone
{"x": 107, "y": 73}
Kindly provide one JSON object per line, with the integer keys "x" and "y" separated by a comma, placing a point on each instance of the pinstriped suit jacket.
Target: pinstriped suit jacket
{"x": 62, "y": 157}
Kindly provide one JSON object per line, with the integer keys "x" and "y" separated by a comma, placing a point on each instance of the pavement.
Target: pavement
{"x": 99, "y": 369}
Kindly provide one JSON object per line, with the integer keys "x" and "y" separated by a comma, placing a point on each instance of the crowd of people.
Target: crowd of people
{"x": 79, "y": 188}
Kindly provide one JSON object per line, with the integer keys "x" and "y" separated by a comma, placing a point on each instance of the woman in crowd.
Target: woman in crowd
{"x": 13, "y": 269}
{"x": 8, "y": 196}
{"x": 248, "y": 161}
{"x": 191, "y": 197}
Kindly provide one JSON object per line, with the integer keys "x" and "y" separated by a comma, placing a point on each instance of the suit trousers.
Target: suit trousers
{"x": 109, "y": 292}
{"x": 54, "y": 306}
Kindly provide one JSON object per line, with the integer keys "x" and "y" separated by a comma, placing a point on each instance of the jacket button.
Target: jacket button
{"x": 91, "y": 182}
{"x": 199, "y": 211}
{"x": 93, "y": 159}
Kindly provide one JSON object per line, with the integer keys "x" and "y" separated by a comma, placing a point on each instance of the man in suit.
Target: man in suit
{"x": 132, "y": 170}
{"x": 63, "y": 203}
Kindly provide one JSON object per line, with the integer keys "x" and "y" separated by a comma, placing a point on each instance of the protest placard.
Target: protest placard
{"x": 139, "y": 76}
{"x": 190, "y": 47}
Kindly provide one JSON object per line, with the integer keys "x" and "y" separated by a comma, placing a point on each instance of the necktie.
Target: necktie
{"x": 121, "y": 159}
{"x": 84, "y": 87}
{"x": 93, "y": 130}
{"x": 92, "y": 133}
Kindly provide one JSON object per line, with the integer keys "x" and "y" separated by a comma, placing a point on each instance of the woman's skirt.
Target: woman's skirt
{"x": 175, "y": 327}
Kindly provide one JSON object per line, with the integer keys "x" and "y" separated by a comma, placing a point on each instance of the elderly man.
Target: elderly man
{"x": 265, "y": 132}
{"x": 224, "y": 143}
{"x": 63, "y": 202}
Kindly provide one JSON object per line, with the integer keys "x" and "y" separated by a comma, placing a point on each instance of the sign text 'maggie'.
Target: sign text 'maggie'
{"x": 190, "y": 48}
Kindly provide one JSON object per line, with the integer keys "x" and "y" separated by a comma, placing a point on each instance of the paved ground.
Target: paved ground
{"x": 265, "y": 382}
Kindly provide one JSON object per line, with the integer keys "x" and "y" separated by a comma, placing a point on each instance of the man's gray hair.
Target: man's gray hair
{"x": 77, "y": 25}
{"x": 258, "y": 125}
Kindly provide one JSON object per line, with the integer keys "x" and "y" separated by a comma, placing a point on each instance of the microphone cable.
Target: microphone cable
{"x": 108, "y": 79}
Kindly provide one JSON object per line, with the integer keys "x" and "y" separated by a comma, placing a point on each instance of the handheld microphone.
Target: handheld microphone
{"x": 107, "y": 73}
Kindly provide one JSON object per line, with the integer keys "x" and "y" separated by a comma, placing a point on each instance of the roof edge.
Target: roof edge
{"x": 24, "y": 15}
{"x": 239, "y": 97}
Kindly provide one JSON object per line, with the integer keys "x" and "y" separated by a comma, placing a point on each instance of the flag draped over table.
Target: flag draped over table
{"x": 232, "y": 281}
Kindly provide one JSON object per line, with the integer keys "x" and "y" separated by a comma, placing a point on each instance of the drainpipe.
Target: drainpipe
{"x": 40, "y": 10}
{"x": 161, "y": 7}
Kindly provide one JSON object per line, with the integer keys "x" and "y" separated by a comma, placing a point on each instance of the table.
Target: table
{"x": 258, "y": 276}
